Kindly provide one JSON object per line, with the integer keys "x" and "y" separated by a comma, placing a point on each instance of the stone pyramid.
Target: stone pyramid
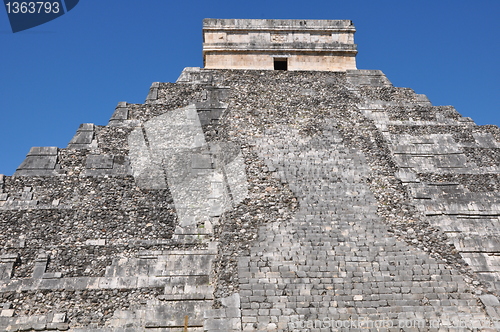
{"x": 258, "y": 200}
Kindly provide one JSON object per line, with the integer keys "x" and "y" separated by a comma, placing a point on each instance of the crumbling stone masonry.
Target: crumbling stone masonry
{"x": 258, "y": 200}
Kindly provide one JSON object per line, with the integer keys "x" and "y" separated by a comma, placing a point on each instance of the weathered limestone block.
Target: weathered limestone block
{"x": 40, "y": 161}
{"x": 107, "y": 165}
{"x": 40, "y": 265}
{"x": 367, "y": 78}
{"x": 99, "y": 161}
{"x": 486, "y": 140}
{"x": 84, "y": 137}
{"x": 153, "y": 93}
{"x": 170, "y": 315}
{"x": 196, "y": 75}
{"x": 227, "y": 318}
{"x": 120, "y": 117}
{"x": 7, "y": 262}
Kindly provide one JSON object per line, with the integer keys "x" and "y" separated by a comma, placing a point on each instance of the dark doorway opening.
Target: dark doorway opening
{"x": 280, "y": 64}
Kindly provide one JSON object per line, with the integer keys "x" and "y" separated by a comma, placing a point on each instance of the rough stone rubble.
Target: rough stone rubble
{"x": 258, "y": 201}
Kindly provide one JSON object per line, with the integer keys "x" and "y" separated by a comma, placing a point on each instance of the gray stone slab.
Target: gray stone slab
{"x": 232, "y": 301}
{"x": 6, "y": 271}
{"x": 482, "y": 262}
{"x": 162, "y": 317}
{"x": 120, "y": 116}
{"x": 188, "y": 75}
{"x": 466, "y": 243}
{"x": 7, "y": 262}
{"x": 423, "y": 99}
{"x": 196, "y": 75}
{"x": 205, "y": 117}
{"x": 126, "y": 270}
{"x": 7, "y": 313}
{"x": 99, "y": 161}
{"x": 52, "y": 275}
{"x": 82, "y": 137}
{"x": 367, "y": 77}
{"x": 486, "y": 140}
{"x": 120, "y": 166}
{"x": 53, "y": 284}
{"x": 153, "y": 92}
{"x": 193, "y": 265}
{"x": 451, "y": 161}
{"x": 86, "y": 127}
{"x": 39, "y": 162}
{"x": 406, "y": 177}
{"x": 180, "y": 285}
{"x": 418, "y": 163}
{"x": 26, "y": 196}
{"x": 210, "y": 112}
{"x": 37, "y": 172}
{"x": 477, "y": 226}
{"x": 425, "y": 149}
{"x": 121, "y": 113}
{"x": 43, "y": 151}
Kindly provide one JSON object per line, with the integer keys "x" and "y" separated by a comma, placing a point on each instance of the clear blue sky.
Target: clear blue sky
{"x": 76, "y": 68}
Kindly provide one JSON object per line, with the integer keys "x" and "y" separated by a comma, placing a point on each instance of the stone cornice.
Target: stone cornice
{"x": 278, "y": 25}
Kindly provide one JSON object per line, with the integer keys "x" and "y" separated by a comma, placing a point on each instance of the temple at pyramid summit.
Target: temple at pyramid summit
{"x": 279, "y": 188}
{"x": 321, "y": 45}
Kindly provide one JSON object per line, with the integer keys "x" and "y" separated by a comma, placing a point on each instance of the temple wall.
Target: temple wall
{"x": 295, "y": 62}
{"x": 317, "y": 45}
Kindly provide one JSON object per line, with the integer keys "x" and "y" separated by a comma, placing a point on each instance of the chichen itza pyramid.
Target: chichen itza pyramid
{"x": 277, "y": 189}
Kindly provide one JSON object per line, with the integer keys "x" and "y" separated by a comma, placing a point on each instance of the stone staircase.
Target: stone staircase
{"x": 336, "y": 263}
{"x": 441, "y": 145}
